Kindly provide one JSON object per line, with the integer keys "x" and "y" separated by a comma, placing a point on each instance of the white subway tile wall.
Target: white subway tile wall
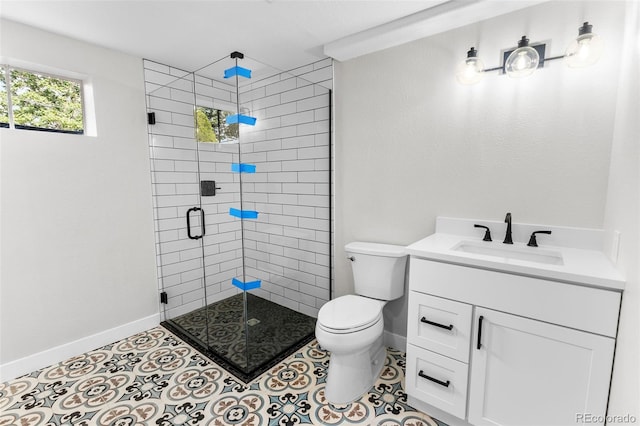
{"x": 288, "y": 246}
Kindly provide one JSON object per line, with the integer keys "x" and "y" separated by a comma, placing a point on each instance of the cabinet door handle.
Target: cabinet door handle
{"x": 440, "y": 382}
{"x": 426, "y": 321}
{"x": 480, "y": 319}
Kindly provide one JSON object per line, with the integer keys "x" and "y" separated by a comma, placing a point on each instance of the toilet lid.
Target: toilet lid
{"x": 350, "y": 312}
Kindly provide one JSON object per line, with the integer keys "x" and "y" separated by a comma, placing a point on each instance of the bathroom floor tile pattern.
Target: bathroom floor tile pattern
{"x": 153, "y": 378}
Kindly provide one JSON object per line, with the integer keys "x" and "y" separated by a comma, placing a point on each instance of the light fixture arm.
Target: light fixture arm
{"x": 553, "y": 58}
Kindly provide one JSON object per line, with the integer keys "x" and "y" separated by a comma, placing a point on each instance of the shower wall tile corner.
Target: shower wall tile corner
{"x": 288, "y": 248}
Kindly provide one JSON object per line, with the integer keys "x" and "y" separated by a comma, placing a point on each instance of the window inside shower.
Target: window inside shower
{"x": 212, "y": 126}
{"x": 242, "y": 190}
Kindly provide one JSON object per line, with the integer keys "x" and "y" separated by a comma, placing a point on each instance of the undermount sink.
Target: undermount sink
{"x": 508, "y": 252}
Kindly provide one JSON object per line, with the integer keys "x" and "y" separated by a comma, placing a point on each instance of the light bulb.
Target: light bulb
{"x": 471, "y": 70}
{"x": 523, "y": 61}
{"x": 584, "y": 50}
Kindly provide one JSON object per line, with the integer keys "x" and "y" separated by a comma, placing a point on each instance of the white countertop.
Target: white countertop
{"x": 580, "y": 266}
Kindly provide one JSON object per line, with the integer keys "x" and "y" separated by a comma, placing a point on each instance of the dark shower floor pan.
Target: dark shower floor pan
{"x": 219, "y": 332}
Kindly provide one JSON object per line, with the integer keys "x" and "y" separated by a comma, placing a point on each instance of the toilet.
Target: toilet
{"x": 351, "y": 327}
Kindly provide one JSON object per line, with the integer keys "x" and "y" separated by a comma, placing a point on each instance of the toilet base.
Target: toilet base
{"x": 351, "y": 375}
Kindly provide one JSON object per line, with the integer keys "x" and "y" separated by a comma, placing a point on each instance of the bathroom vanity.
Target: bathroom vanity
{"x": 504, "y": 334}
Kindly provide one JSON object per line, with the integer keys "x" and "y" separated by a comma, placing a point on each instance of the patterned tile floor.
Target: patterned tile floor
{"x": 153, "y": 378}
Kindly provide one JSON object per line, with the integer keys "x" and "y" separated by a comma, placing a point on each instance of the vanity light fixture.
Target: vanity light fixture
{"x": 525, "y": 59}
{"x": 585, "y": 50}
{"x": 470, "y": 70}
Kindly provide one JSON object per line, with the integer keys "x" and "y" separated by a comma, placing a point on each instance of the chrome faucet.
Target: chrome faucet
{"x": 507, "y": 237}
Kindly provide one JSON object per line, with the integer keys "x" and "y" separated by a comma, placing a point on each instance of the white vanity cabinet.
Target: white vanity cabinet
{"x": 507, "y": 349}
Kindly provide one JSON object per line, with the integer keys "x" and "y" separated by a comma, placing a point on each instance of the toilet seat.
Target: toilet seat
{"x": 350, "y": 313}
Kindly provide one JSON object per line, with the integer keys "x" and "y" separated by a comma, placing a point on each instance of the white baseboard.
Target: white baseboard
{"x": 396, "y": 341}
{"x": 19, "y": 367}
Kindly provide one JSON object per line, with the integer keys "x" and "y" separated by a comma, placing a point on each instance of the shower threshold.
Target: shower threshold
{"x": 218, "y": 330}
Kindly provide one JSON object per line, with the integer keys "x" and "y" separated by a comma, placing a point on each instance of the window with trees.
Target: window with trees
{"x": 211, "y": 126}
{"x": 36, "y": 101}
{"x": 4, "y": 101}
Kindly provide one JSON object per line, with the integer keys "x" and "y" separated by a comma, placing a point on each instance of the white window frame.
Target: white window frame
{"x": 7, "y": 81}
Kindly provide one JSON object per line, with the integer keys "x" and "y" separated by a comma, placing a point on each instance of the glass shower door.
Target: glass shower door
{"x": 216, "y": 105}
{"x": 180, "y": 216}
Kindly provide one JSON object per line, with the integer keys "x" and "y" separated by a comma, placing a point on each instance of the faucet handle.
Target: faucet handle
{"x": 533, "y": 242}
{"x": 487, "y": 233}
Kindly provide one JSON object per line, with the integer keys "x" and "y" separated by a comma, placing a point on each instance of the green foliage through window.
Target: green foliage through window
{"x": 204, "y": 130}
{"x": 212, "y": 127}
{"x": 41, "y": 102}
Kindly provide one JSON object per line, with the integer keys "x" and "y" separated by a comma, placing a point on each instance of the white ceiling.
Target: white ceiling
{"x": 191, "y": 34}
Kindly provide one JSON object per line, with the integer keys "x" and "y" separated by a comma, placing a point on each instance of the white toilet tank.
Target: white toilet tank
{"x": 378, "y": 269}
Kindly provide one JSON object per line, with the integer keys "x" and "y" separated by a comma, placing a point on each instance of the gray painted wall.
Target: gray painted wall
{"x": 623, "y": 215}
{"x": 77, "y": 229}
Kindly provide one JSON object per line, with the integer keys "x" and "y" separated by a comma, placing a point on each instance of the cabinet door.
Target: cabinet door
{"x": 528, "y": 372}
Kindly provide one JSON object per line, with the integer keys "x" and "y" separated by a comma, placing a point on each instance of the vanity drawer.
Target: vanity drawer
{"x": 583, "y": 308}
{"x": 437, "y": 380}
{"x": 440, "y": 325}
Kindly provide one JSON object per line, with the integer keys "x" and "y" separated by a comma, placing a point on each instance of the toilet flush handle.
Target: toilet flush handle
{"x": 351, "y": 258}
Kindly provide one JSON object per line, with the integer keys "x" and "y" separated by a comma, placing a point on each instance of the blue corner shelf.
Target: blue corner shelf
{"x": 240, "y": 71}
{"x": 242, "y": 119}
{"x": 251, "y": 285}
{"x": 243, "y": 214}
{"x": 243, "y": 168}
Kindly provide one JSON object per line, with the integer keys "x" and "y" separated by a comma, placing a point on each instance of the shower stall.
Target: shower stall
{"x": 241, "y": 173}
